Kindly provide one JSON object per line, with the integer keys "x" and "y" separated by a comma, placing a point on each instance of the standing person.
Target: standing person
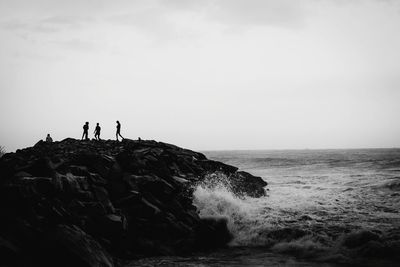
{"x": 118, "y": 130}
{"x": 97, "y": 132}
{"x": 85, "y": 131}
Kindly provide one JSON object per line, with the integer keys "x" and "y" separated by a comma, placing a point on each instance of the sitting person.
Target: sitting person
{"x": 49, "y": 139}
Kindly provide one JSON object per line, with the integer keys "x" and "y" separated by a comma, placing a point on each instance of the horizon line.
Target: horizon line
{"x": 292, "y": 149}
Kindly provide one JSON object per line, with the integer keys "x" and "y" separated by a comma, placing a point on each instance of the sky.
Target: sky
{"x": 202, "y": 74}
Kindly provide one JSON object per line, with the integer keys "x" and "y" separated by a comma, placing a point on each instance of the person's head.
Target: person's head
{"x": 48, "y": 135}
{"x": 118, "y": 122}
{"x": 87, "y": 122}
{"x": 97, "y": 124}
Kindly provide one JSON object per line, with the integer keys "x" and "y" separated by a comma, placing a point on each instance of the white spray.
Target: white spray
{"x": 215, "y": 199}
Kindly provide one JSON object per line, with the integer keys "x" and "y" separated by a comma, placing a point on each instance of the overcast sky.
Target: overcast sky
{"x": 204, "y": 74}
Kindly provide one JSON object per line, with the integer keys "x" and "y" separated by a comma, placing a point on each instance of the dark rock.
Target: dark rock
{"x": 148, "y": 209}
{"x": 70, "y": 246}
{"x": 213, "y": 166}
{"x": 79, "y": 170}
{"x": 40, "y": 143}
{"x": 102, "y": 196}
{"x": 22, "y": 174}
{"x": 152, "y": 184}
{"x": 68, "y": 202}
{"x": 92, "y": 208}
{"x": 97, "y": 163}
{"x": 213, "y": 232}
{"x": 246, "y": 184}
{"x": 111, "y": 226}
{"x": 8, "y": 252}
{"x": 42, "y": 167}
{"x": 131, "y": 199}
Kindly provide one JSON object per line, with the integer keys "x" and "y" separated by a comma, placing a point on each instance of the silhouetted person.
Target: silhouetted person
{"x": 85, "y": 131}
{"x": 118, "y": 130}
{"x": 97, "y": 132}
{"x": 49, "y": 139}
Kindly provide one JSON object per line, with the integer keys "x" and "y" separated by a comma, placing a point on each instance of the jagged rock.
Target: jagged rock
{"x": 92, "y": 208}
{"x": 213, "y": 166}
{"x": 111, "y": 226}
{"x": 246, "y": 184}
{"x": 132, "y": 197}
{"x": 36, "y": 186}
{"x": 152, "y": 184}
{"x": 70, "y": 246}
{"x": 42, "y": 167}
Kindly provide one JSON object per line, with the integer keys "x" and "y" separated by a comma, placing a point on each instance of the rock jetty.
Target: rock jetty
{"x": 97, "y": 203}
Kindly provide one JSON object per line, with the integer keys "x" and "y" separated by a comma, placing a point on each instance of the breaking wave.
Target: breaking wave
{"x": 215, "y": 199}
{"x": 319, "y": 235}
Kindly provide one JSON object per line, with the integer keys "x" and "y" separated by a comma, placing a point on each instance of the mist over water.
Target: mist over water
{"x": 330, "y": 207}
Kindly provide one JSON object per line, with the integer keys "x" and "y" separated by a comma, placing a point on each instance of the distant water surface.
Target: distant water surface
{"x": 324, "y": 208}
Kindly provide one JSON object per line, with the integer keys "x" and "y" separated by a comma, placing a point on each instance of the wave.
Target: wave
{"x": 217, "y": 200}
{"x": 248, "y": 219}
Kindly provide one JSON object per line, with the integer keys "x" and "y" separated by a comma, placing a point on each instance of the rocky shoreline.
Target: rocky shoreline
{"x": 97, "y": 203}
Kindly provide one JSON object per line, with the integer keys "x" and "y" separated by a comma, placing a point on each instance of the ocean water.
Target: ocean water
{"x": 324, "y": 208}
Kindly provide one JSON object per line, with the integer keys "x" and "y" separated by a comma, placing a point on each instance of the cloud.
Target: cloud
{"x": 245, "y": 13}
{"x": 162, "y": 19}
{"x": 149, "y": 20}
{"x": 13, "y": 24}
{"x": 175, "y": 19}
{"x": 158, "y": 22}
{"x": 77, "y": 44}
{"x": 259, "y": 12}
{"x": 71, "y": 21}
{"x": 48, "y": 24}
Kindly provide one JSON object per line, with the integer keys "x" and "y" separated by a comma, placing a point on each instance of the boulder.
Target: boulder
{"x": 151, "y": 183}
{"x": 42, "y": 167}
{"x": 213, "y": 232}
{"x": 73, "y": 202}
{"x": 244, "y": 183}
{"x": 213, "y": 166}
{"x": 67, "y": 246}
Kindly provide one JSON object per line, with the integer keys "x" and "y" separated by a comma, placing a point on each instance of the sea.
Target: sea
{"x": 338, "y": 207}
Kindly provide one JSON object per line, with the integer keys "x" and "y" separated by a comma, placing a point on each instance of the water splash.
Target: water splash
{"x": 266, "y": 222}
{"x": 214, "y": 198}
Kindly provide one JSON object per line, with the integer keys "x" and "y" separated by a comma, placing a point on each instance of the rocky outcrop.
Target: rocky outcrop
{"x": 89, "y": 203}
